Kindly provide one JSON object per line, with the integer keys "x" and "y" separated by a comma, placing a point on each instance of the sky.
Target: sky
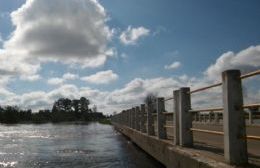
{"x": 116, "y": 52}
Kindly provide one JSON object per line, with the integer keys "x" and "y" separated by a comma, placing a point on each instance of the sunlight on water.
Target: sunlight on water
{"x": 47, "y": 145}
{"x": 8, "y": 164}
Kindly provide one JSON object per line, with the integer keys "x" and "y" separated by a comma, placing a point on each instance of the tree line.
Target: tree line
{"x": 63, "y": 110}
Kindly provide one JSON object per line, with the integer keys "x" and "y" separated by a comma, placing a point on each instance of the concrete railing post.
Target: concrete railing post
{"x": 197, "y": 116}
{"x": 125, "y": 117}
{"x": 161, "y": 121}
{"x": 210, "y": 116}
{"x": 235, "y": 144}
{"x": 185, "y": 118}
{"x": 150, "y": 122}
{"x": 250, "y": 117}
{"x": 200, "y": 117}
{"x": 137, "y": 118}
{"x": 131, "y": 115}
{"x": 119, "y": 119}
{"x": 129, "y": 118}
{"x": 176, "y": 102}
{"x": 133, "y": 118}
{"x": 216, "y": 118}
{"x": 142, "y": 122}
{"x": 122, "y": 117}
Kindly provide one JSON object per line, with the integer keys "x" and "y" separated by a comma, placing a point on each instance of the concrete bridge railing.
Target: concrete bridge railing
{"x": 142, "y": 118}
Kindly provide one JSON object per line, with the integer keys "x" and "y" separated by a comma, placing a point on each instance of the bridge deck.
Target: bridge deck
{"x": 213, "y": 145}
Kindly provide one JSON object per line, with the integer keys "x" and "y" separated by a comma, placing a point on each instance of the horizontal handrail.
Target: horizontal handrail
{"x": 251, "y": 137}
{"x": 205, "y": 88}
{"x": 210, "y": 115}
{"x": 168, "y": 113}
{"x": 219, "y": 109}
{"x": 167, "y": 99}
{"x": 251, "y": 105}
{"x": 207, "y": 131}
{"x": 250, "y": 74}
{"x": 168, "y": 126}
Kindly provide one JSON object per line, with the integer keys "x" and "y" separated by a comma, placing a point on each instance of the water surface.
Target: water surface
{"x": 69, "y": 146}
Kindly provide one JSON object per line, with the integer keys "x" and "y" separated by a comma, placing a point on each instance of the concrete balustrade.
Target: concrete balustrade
{"x": 133, "y": 118}
{"x": 140, "y": 118}
{"x": 161, "y": 122}
{"x": 185, "y": 118}
{"x": 137, "y": 118}
{"x": 211, "y": 114}
{"x": 250, "y": 117}
{"x": 176, "y": 102}
{"x": 235, "y": 146}
{"x": 143, "y": 118}
{"x": 150, "y": 122}
{"x": 216, "y": 118}
{"x": 130, "y": 118}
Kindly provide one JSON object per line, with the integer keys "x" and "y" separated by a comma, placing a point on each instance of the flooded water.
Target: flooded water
{"x": 71, "y": 146}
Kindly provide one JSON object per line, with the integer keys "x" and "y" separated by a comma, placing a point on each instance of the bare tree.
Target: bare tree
{"x": 94, "y": 109}
{"x": 150, "y": 100}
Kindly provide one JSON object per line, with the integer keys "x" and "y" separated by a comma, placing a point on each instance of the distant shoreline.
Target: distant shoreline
{"x": 101, "y": 121}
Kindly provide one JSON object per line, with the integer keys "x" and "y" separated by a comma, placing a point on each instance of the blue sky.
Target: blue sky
{"x": 190, "y": 36}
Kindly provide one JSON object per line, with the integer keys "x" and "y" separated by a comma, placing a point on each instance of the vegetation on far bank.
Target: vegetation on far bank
{"x": 105, "y": 121}
{"x": 63, "y": 110}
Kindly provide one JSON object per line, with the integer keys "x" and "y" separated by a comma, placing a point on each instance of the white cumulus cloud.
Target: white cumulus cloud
{"x": 1, "y": 39}
{"x": 70, "y": 32}
{"x": 174, "y": 65}
{"x": 61, "y": 80}
{"x": 134, "y": 92}
{"x": 102, "y": 77}
{"x": 30, "y": 78}
{"x": 70, "y": 76}
{"x": 245, "y": 60}
{"x": 55, "y": 81}
{"x": 131, "y": 35}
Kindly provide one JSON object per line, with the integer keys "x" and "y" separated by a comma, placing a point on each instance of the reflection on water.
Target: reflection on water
{"x": 48, "y": 145}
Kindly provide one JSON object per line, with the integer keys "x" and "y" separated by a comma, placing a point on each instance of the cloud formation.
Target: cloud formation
{"x": 174, "y": 65}
{"x": 132, "y": 94}
{"x": 30, "y": 78}
{"x": 245, "y": 60}
{"x": 1, "y": 39}
{"x": 131, "y": 35}
{"x": 102, "y": 77}
{"x": 70, "y": 32}
{"x": 70, "y": 76}
{"x": 55, "y": 81}
{"x": 41, "y": 99}
{"x": 75, "y": 32}
{"x": 60, "y": 80}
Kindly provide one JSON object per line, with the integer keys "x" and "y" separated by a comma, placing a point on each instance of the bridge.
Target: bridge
{"x": 210, "y": 137}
